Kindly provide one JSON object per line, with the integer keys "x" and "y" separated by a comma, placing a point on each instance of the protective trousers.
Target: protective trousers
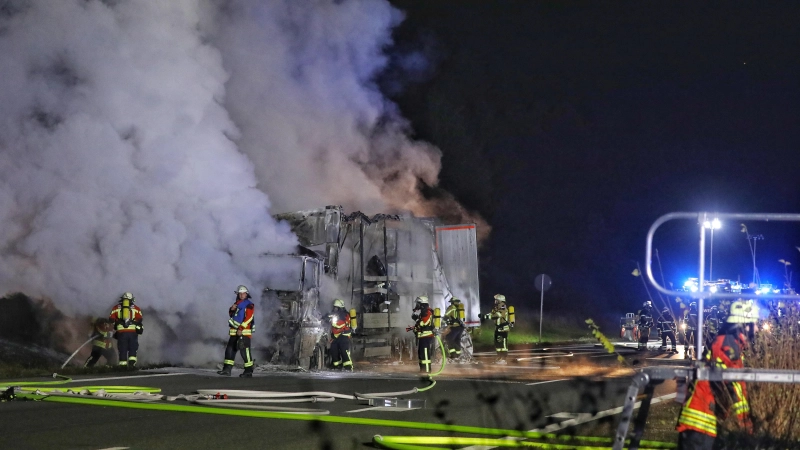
{"x": 644, "y": 336}
{"x": 128, "y": 345}
{"x": 501, "y": 344}
{"x": 425, "y": 353}
{"x": 243, "y": 347}
{"x": 97, "y": 352}
{"x": 340, "y": 353}
{"x": 453, "y": 340}
{"x": 668, "y": 334}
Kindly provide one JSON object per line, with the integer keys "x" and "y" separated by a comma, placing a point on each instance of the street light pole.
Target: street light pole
{"x": 712, "y": 225}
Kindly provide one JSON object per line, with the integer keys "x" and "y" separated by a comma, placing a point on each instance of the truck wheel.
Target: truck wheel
{"x": 318, "y": 358}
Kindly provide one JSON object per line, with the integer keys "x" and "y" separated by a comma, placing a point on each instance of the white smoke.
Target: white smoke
{"x": 139, "y": 140}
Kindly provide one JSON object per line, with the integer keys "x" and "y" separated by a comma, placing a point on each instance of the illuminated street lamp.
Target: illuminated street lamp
{"x": 712, "y": 225}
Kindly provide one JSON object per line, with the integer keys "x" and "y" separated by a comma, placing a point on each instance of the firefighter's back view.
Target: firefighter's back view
{"x": 127, "y": 319}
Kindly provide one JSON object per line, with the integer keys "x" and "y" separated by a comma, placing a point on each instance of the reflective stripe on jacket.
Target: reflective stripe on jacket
{"x": 451, "y": 317}
{"x": 424, "y": 325}
{"x": 241, "y": 317}
{"x": 135, "y": 322}
{"x": 500, "y": 318}
{"x": 340, "y": 323}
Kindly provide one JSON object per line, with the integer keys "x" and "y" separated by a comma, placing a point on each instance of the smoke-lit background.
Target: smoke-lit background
{"x": 145, "y": 144}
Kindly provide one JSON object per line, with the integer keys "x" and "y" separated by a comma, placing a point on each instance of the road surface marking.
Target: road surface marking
{"x": 381, "y": 408}
{"x": 126, "y": 377}
{"x": 548, "y": 381}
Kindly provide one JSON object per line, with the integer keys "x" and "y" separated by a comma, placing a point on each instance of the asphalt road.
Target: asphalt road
{"x": 530, "y": 394}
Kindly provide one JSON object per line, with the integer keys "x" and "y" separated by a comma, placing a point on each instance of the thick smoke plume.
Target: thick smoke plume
{"x": 144, "y": 145}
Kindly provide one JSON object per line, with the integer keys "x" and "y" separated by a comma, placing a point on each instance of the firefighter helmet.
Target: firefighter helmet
{"x": 422, "y": 299}
{"x": 499, "y": 298}
{"x": 242, "y": 289}
{"x": 648, "y": 303}
{"x": 455, "y": 300}
{"x": 127, "y": 296}
{"x": 338, "y": 303}
{"x": 742, "y": 312}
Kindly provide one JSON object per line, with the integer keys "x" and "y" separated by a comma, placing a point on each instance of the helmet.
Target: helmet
{"x": 648, "y": 303}
{"x": 455, "y": 300}
{"x": 499, "y": 298}
{"x": 742, "y": 312}
{"x": 242, "y": 289}
{"x": 127, "y": 296}
{"x": 665, "y": 310}
{"x": 422, "y": 299}
{"x": 338, "y": 303}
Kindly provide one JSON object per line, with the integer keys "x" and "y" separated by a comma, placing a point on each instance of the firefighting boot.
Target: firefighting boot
{"x": 226, "y": 370}
{"x": 248, "y": 372}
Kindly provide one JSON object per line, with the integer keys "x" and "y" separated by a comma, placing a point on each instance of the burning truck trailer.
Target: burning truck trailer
{"x": 378, "y": 266}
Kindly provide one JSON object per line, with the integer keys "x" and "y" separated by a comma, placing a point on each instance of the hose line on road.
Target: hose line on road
{"x": 391, "y": 440}
{"x": 427, "y": 443}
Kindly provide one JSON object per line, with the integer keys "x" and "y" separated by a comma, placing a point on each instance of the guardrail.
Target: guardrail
{"x": 648, "y": 377}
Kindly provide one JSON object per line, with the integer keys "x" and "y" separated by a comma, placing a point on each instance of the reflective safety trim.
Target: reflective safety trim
{"x": 249, "y": 358}
{"x": 233, "y": 324}
{"x": 349, "y": 361}
{"x": 698, "y": 425}
{"x": 423, "y": 334}
{"x": 249, "y": 364}
{"x": 228, "y": 362}
{"x": 336, "y": 363}
{"x": 427, "y": 361}
{"x": 123, "y": 363}
{"x": 132, "y": 358}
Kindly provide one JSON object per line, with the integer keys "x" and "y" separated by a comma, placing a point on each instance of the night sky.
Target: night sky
{"x": 571, "y": 126}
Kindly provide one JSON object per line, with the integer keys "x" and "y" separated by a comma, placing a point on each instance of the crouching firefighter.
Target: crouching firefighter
{"x": 240, "y": 329}
{"x": 102, "y": 332}
{"x": 711, "y": 402}
{"x": 423, "y": 328}
{"x": 454, "y": 318}
{"x": 340, "y": 341}
{"x": 127, "y": 320}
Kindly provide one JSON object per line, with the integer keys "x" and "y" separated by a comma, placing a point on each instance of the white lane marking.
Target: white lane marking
{"x": 380, "y": 408}
{"x": 548, "y": 381}
{"x": 81, "y": 380}
{"x": 573, "y": 422}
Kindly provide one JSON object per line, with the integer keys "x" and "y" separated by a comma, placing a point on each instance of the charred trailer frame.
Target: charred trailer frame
{"x": 378, "y": 265}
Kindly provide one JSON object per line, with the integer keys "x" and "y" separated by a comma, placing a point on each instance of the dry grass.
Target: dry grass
{"x": 775, "y": 407}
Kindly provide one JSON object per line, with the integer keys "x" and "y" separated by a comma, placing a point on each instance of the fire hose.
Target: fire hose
{"x": 76, "y": 352}
{"x": 229, "y": 402}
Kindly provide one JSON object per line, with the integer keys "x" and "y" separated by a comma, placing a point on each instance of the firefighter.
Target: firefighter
{"x": 666, "y": 324}
{"x": 240, "y": 329}
{"x": 340, "y": 341}
{"x": 127, "y": 320}
{"x": 499, "y": 315}
{"x": 645, "y": 324}
{"x": 690, "y": 321}
{"x": 455, "y": 328}
{"x": 423, "y": 328}
{"x": 102, "y": 332}
{"x": 710, "y": 402}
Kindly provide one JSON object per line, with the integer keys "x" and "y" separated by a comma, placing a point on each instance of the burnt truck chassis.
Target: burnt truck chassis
{"x": 378, "y": 265}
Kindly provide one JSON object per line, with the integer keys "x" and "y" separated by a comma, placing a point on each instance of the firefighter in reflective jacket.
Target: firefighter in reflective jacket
{"x": 127, "y": 319}
{"x": 710, "y": 402}
{"x": 423, "y": 328}
{"x": 666, "y": 325}
{"x": 455, "y": 325}
{"x": 240, "y": 329}
{"x": 645, "y": 324}
{"x": 340, "y": 333}
{"x": 102, "y": 332}
{"x": 499, "y": 315}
